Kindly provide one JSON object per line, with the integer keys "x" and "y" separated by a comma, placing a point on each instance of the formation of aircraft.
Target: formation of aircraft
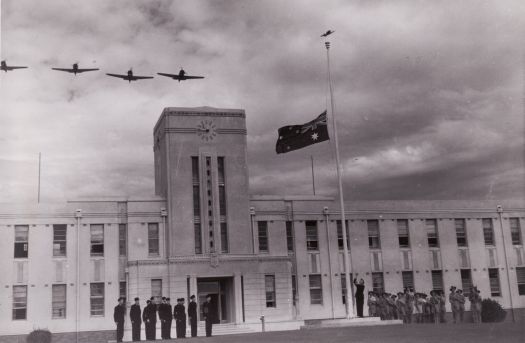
{"x": 75, "y": 70}
{"x": 181, "y": 76}
{"x": 6, "y": 68}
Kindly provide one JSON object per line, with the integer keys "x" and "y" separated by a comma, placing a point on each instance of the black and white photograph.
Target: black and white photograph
{"x": 262, "y": 171}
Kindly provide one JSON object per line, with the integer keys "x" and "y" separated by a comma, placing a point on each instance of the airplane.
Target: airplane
{"x": 181, "y": 76}
{"x": 6, "y": 68}
{"x": 130, "y": 77}
{"x": 75, "y": 69}
{"x": 327, "y": 33}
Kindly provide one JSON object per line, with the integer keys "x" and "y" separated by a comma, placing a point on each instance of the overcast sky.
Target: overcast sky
{"x": 429, "y": 94}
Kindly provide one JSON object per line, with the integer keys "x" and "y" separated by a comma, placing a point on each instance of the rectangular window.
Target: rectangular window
{"x": 222, "y": 204}
{"x": 340, "y": 240}
{"x": 378, "y": 283}
{"x": 373, "y": 234}
{"x": 432, "y": 233}
{"x": 408, "y": 279}
{"x": 466, "y": 281}
{"x": 520, "y": 277}
{"x": 156, "y": 290}
{"x": 262, "y": 227}
{"x": 122, "y": 238}
{"x": 153, "y": 238}
{"x": 495, "y": 290}
{"x": 437, "y": 280}
{"x": 58, "y": 301}
{"x": 21, "y": 241}
{"x": 97, "y": 239}
{"x": 461, "y": 233}
{"x": 343, "y": 287}
{"x": 312, "y": 239}
{"x": 289, "y": 236}
{"x": 224, "y": 238}
{"x": 19, "y": 302}
{"x": 97, "y": 298}
{"x": 402, "y": 232}
{"x": 294, "y": 289}
{"x": 196, "y": 204}
{"x": 269, "y": 286}
{"x": 59, "y": 239}
{"x": 316, "y": 289}
{"x": 122, "y": 287}
{"x": 515, "y": 231}
{"x": 488, "y": 231}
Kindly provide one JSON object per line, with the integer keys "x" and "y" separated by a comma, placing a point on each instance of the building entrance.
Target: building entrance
{"x": 222, "y": 298}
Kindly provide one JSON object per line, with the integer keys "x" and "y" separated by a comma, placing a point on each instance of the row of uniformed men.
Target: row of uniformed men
{"x": 165, "y": 313}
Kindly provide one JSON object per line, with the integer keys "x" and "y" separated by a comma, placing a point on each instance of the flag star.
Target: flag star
{"x": 315, "y": 136}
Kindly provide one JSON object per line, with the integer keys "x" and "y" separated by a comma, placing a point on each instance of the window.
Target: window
{"x": 263, "y": 235}
{"x": 294, "y": 289}
{"x": 437, "y": 280}
{"x": 97, "y": 239}
{"x": 466, "y": 281}
{"x": 408, "y": 279}
{"x": 59, "y": 239}
{"x": 269, "y": 286}
{"x": 488, "y": 231}
{"x": 495, "y": 290}
{"x": 343, "y": 287}
{"x": 122, "y": 237}
{"x": 196, "y": 204}
{"x": 224, "y": 238}
{"x": 461, "y": 234}
{"x": 432, "y": 233}
{"x": 340, "y": 240}
{"x": 373, "y": 234}
{"x": 19, "y": 302}
{"x": 58, "y": 301}
{"x": 316, "y": 289}
{"x": 21, "y": 241}
{"x": 515, "y": 231}
{"x": 378, "y": 283}
{"x": 156, "y": 290}
{"x": 122, "y": 287}
{"x": 153, "y": 238}
{"x": 312, "y": 239}
{"x": 289, "y": 236}
{"x": 97, "y": 298}
{"x": 402, "y": 232}
{"x": 520, "y": 277}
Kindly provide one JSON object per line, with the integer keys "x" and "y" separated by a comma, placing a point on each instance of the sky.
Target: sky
{"x": 429, "y": 95}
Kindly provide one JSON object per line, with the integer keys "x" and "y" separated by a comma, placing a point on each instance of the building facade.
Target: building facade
{"x": 63, "y": 266}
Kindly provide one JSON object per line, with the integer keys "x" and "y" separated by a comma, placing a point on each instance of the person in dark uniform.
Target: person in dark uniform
{"x": 169, "y": 318}
{"x": 359, "y": 296}
{"x": 209, "y": 314}
{"x": 163, "y": 313}
{"x": 192, "y": 314}
{"x": 149, "y": 316}
{"x": 134, "y": 315}
{"x": 179, "y": 313}
{"x": 118, "y": 316}
{"x": 145, "y": 319}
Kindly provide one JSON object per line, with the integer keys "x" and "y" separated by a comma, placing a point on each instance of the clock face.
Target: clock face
{"x": 206, "y": 130}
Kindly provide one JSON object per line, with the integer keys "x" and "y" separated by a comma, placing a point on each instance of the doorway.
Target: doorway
{"x": 221, "y": 292}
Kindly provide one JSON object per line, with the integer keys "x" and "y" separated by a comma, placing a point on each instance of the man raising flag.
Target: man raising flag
{"x": 295, "y": 137}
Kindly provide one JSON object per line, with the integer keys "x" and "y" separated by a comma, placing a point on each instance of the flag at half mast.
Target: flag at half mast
{"x": 293, "y": 137}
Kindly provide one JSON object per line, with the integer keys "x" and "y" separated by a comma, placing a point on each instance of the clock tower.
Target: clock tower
{"x": 200, "y": 168}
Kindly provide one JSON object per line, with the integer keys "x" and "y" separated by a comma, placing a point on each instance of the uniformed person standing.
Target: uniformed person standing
{"x": 149, "y": 316}
{"x": 118, "y": 316}
{"x": 179, "y": 313}
{"x": 192, "y": 314}
{"x": 163, "y": 318}
{"x": 461, "y": 304}
{"x": 209, "y": 314}
{"x": 453, "y": 300}
{"x": 169, "y": 316}
{"x": 134, "y": 315}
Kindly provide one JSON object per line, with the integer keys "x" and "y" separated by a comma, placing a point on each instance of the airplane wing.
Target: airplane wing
{"x": 174, "y": 76}
{"x": 68, "y": 70}
{"x": 13, "y": 68}
{"x": 125, "y": 77}
{"x": 177, "y": 77}
{"x": 86, "y": 69}
{"x": 141, "y": 77}
{"x": 189, "y": 77}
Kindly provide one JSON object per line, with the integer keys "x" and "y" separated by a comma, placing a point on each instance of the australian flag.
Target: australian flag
{"x": 295, "y": 137}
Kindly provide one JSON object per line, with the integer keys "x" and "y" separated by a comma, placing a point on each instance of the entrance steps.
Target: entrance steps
{"x": 344, "y": 322}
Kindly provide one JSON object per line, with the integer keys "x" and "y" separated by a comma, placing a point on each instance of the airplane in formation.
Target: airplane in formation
{"x": 181, "y": 76}
{"x": 75, "y": 70}
{"x": 129, "y": 76}
{"x": 6, "y": 68}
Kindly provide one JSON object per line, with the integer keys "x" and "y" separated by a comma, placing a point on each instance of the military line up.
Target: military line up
{"x": 181, "y": 76}
{"x": 166, "y": 315}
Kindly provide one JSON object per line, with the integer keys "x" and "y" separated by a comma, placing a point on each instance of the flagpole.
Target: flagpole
{"x": 313, "y": 176}
{"x": 39, "y": 164}
{"x": 347, "y": 258}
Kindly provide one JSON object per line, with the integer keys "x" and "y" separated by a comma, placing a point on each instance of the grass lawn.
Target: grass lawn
{"x": 417, "y": 333}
